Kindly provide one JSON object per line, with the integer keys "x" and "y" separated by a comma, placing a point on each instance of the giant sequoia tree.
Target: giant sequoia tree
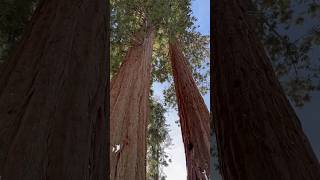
{"x": 52, "y": 95}
{"x": 129, "y": 94}
{"x": 134, "y": 23}
{"x": 258, "y": 133}
{"x": 194, "y": 116}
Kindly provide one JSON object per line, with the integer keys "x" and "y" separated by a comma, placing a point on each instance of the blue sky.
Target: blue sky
{"x": 201, "y": 10}
{"x": 308, "y": 114}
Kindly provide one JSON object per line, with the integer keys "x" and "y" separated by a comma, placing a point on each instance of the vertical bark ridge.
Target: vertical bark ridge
{"x": 258, "y": 133}
{"x": 52, "y": 125}
{"x": 194, "y": 117}
{"x": 129, "y": 94}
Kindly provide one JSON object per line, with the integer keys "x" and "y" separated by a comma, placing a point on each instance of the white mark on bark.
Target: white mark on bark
{"x": 205, "y": 174}
{"x": 115, "y": 148}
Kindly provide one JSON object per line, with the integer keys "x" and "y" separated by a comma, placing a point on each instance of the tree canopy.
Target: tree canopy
{"x": 291, "y": 35}
{"x": 171, "y": 19}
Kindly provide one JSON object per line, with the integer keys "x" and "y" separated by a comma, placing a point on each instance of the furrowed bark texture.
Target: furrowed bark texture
{"x": 258, "y": 133}
{"x": 129, "y": 111}
{"x": 52, "y": 96}
{"x": 194, "y": 117}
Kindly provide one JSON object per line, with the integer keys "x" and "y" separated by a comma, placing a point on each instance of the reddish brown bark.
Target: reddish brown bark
{"x": 129, "y": 111}
{"x": 52, "y": 96}
{"x": 194, "y": 117}
{"x": 258, "y": 133}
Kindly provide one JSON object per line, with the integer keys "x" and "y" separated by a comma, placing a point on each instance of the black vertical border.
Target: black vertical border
{"x": 211, "y": 85}
{"x": 107, "y": 90}
{"x": 213, "y": 117}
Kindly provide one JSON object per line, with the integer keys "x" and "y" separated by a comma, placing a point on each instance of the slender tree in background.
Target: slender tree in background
{"x": 258, "y": 133}
{"x": 52, "y": 96}
{"x": 194, "y": 116}
{"x": 158, "y": 140}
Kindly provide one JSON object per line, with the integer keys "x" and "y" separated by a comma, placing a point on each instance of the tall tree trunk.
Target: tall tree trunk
{"x": 194, "y": 117}
{"x": 258, "y": 133}
{"x": 52, "y": 96}
{"x": 129, "y": 95}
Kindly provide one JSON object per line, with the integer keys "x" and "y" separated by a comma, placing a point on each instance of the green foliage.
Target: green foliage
{"x": 198, "y": 52}
{"x": 171, "y": 19}
{"x": 298, "y": 90}
{"x": 158, "y": 139}
{"x": 293, "y": 60}
{"x": 126, "y": 19}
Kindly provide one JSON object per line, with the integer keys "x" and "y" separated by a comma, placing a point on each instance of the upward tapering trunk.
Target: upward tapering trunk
{"x": 258, "y": 133}
{"x": 129, "y": 95}
{"x": 52, "y": 96}
{"x": 194, "y": 117}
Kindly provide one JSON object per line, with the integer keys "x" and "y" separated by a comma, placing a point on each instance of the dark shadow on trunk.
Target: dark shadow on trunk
{"x": 52, "y": 96}
{"x": 259, "y": 135}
